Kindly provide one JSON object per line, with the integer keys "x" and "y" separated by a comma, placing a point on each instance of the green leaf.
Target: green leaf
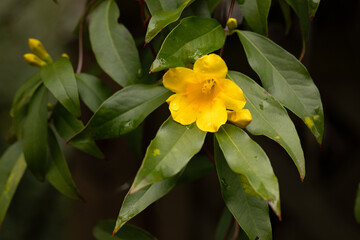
{"x": 247, "y": 158}
{"x": 103, "y": 231}
{"x": 58, "y": 173}
{"x": 113, "y": 45}
{"x": 59, "y": 78}
{"x": 270, "y": 119}
{"x": 285, "y": 9}
{"x": 20, "y": 104}
{"x": 135, "y": 203}
{"x": 169, "y": 152}
{"x": 155, "y": 6}
{"x": 212, "y": 4}
{"x": 12, "y": 168}
{"x": 256, "y": 13}
{"x": 35, "y": 134}
{"x": 313, "y": 6}
{"x": 357, "y": 205}
{"x": 249, "y": 210}
{"x": 191, "y": 39}
{"x": 161, "y": 19}
{"x": 92, "y": 90}
{"x": 67, "y": 126}
{"x": 301, "y": 9}
{"x": 286, "y": 79}
{"x": 124, "y": 111}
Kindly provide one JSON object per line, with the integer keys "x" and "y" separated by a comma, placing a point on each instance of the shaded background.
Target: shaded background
{"x": 319, "y": 208}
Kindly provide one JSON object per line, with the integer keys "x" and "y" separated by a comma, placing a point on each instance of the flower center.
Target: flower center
{"x": 208, "y": 86}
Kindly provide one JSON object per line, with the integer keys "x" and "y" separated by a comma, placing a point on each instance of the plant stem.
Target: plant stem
{"x": 229, "y": 229}
{"x": 209, "y": 154}
{"x": 226, "y": 28}
{"x": 236, "y": 232}
{"x": 81, "y": 31}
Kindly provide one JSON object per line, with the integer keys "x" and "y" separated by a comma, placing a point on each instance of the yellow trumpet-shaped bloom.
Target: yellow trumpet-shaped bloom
{"x": 34, "y": 60}
{"x": 39, "y": 50}
{"x": 204, "y": 95}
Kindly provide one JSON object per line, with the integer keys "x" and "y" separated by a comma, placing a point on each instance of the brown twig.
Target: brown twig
{"x": 226, "y": 28}
{"x": 81, "y": 31}
{"x": 236, "y": 232}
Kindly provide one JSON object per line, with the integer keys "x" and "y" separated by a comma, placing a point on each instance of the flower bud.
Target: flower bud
{"x": 240, "y": 118}
{"x": 231, "y": 25}
{"x": 34, "y": 60}
{"x": 38, "y": 49}
{"x": 65, "y": 55}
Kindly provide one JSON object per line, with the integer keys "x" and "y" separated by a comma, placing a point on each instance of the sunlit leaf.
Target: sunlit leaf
{"x": 169, "y": 152}
{"x": 12, "y": 168}
{"x": 256, "y": 13}
{"x": 35, "y": 134}
{"x": 161, "y": 19}
{"x": 270, "y": 119}
{"x": 103, "y": 231}
{"x": 248, "y": 208}
{"x": 286, "y": 79}
{"x": 58, "y": 173}
{"x": 357, "y": 205}
{"x": 67, "y": 126}
{"x": 191, "y": 39}
{"x": 247, "y": 158}
{"x": 113, "y": 45}
{"x": 93, "y": 92}
{"x": 59, "y": 78}
{"x": 124, "y": 111}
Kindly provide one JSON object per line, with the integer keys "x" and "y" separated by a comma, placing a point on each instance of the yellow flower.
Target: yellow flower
{"x": 205, "y": 95}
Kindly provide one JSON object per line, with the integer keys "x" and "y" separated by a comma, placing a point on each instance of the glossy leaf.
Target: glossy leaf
{"x": 113, "y": 45}
{"x": 169, "y": 152}
{"x": 357, "y": 205}
{"x": 270, "y": 119}
{"x": 313, "y": 6}
{"x": 58, "y": 173}
{"x": 249, "y": 210}
{"x": 124, "y": 111}
{"x": 135, "y": 203}
{"x": 286, "y": 79}
{"x": 35, "y": 134}
{"x": 301, "y": 9}
{"x": 67, "y": 126}
{"x": 103, "y": 231}
{"x": 191, "y": 39}
{"x": 256, "y": 13}
{"x": 247, "y": 158}
{"x": 285, "y": 8}
{"x": 92, "y": 90}
{"x": 155, "y": 6}
{"x": 12, "y": 168}
{"x": 59, "y": 78}
{"x": 161, "y": 19}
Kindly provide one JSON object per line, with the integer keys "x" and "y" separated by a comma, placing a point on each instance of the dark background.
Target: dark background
{"x": 321, "y": 207}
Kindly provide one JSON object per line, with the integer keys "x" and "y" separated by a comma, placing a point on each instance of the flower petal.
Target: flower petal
{"x": 212, "y": 65}
{"x": 231, "y": 94}
{"x": 177, "y": 79}
{"x": 211, "y": 116}
{"x": 240, "y": 118}
{"x": 182, "y": 111}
